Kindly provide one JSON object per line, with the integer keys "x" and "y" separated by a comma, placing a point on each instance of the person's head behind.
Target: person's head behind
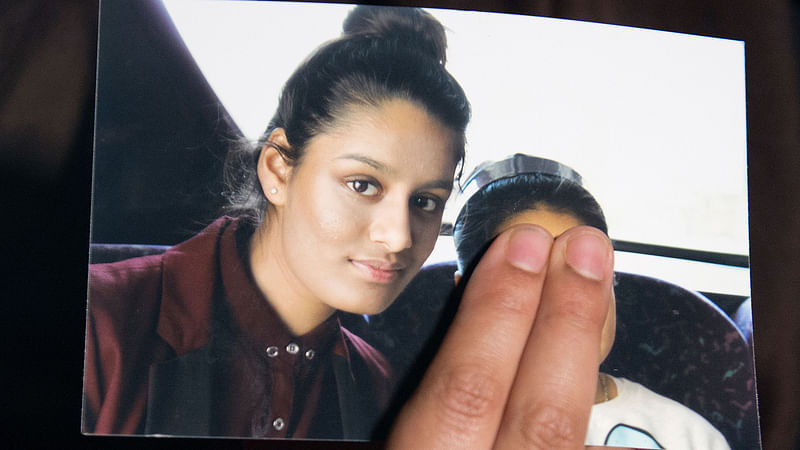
{"x": 550, "y": 200}
{"x": 499, "y": 201}
{"x": 384, "y": 54}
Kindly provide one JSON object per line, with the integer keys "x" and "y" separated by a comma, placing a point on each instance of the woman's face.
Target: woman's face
{"x": 556, "y": 223}
{"x": 363, "y": 207}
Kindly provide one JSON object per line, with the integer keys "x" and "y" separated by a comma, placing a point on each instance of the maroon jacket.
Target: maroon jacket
{"x": 150, "y": 363}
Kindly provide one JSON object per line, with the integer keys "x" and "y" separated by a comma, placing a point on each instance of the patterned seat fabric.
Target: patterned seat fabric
{"x": 744, "y": 320}
{"x": 106, "y": 253}
{"x": 672, "y": 340}
{"x": 679, "y": 344}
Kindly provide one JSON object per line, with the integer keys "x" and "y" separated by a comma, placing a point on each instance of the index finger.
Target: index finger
{"x": 552, "y": 396}
{"x": 461, "y": 399}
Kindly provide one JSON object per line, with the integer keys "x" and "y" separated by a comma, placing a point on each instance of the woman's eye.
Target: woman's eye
{"x": 363, "y": 187}
{"x": 426, "y": 203}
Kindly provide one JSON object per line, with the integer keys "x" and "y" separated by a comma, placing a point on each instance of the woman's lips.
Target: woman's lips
{"x": 377, "y": 271}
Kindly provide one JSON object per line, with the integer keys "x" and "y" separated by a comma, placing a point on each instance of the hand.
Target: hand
{"x": 518, "y": 367}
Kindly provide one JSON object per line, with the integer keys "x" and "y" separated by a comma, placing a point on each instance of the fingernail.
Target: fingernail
{"x": 528, "y": 248}
{"x": 588, "y": 255}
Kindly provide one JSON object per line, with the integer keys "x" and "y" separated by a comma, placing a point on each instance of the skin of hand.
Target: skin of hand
{"x": 518, "y": 366}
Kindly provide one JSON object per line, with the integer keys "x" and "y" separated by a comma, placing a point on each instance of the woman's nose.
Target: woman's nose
{"x": 391, "y": 226}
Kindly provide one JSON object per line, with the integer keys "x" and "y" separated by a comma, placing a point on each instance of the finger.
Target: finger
{"x": 461, "y": 399}
{"x": 556, "y": 382}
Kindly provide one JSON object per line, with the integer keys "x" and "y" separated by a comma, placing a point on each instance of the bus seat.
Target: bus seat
{"x": 744, "y": 320}
{"x": 107, "y": 253}
{"x": 681, "y": 345}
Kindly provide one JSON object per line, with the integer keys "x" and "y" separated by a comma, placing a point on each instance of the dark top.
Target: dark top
{"x": 184, "y": 343}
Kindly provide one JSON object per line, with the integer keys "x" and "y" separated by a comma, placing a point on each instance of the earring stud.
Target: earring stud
{"x": 273, "y": 191}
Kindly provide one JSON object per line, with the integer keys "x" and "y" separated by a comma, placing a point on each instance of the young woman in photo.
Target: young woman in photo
{"x": 234, "y": 332}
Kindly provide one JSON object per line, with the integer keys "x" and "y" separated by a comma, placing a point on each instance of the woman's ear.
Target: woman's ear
{"x": 456, "y": 277}
{"x": 273, "y": 169}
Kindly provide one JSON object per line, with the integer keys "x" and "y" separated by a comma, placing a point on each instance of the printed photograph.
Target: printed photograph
{"x": 290, "y": 198}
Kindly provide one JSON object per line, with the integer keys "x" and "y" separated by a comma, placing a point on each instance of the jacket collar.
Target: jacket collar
{"x": 189, "y": 271}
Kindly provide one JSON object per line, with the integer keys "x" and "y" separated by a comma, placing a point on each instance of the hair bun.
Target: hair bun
{"x": 411, "y": 27}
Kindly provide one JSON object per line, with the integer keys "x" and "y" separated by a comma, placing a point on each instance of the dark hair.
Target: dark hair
{"x": 497, "y": 202}
{"x": 384, "y": 53}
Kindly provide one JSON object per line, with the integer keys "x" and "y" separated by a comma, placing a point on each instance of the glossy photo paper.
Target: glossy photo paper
{"x": 652, "y": 121}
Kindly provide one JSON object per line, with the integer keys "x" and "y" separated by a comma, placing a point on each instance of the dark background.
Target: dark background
{"x": 47, "y": 87}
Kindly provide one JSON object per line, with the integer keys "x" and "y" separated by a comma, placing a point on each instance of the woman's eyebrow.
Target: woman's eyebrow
{"x": 377, "y": 165}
